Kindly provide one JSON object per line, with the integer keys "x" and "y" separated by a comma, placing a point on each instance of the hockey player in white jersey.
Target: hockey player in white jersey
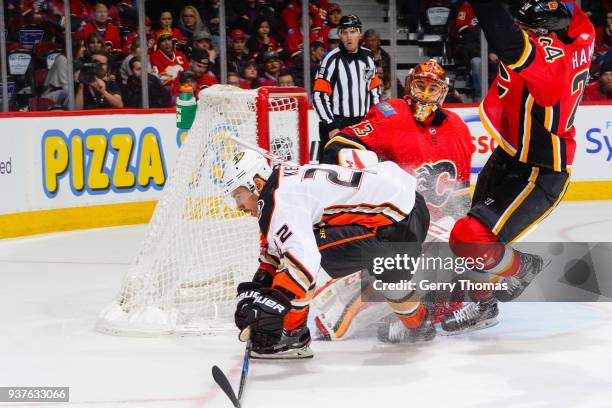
{"x": 320, "y": 216}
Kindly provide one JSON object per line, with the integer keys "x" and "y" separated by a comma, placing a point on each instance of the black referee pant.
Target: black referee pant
{"x": 340, "y": 122}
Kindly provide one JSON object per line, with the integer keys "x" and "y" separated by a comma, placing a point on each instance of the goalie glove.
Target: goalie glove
{"x": 263, "y": 310}
{"x": 357, "y": 158}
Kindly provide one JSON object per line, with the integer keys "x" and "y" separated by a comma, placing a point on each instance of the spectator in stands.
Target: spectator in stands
{"x": 56, "y": 82}
{"x": 248, "y": 11}
{"x": 468, "y": 44}
{"x": 94, "y": 43}
{"x": 333, "y": 40}
{"x": 159, "y": 97}
{"x": 601, "y": 90}
{"x": 285, "y": 79}
{"x": 238, "y": 55}
{"x": 165, "y": 24}
{"x": 203, "y": 41}
{"x": 186, "y": 78}
{"x": 191, "y": 23}
{"x": 124, "y": 71}
{"x": 250, "y": 73}
{"x": 97, "y": 91}
{"x": 100, "y": 24}
{"x": 334, "y": 14}
{"x": 294, "y": 42}
{"x": 234, "y": 79}
{"x": 198, "y": 64}
{"x": 372, "y": 42}
{"x": 262, "y": 40}
{"x": 166, "y": 61}
{"x": 292, "y": 13}
{"x": 272, "y": 66}
{"x": 603, "y": 40}
{"x": 210, "y": 14}
{"x": 151, "y": 36}
{"x": 317, "y": 52}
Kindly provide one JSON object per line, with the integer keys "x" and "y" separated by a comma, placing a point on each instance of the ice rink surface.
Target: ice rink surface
{"x": 53, "y": 286}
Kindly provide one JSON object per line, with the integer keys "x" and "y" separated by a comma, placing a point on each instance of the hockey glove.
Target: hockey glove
{"x": 263, "y": 310}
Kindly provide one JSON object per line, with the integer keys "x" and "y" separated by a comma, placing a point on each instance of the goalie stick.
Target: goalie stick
{"x": 221, "y": 379}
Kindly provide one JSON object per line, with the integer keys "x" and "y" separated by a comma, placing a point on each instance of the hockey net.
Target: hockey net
{"x": 197, "y": 248}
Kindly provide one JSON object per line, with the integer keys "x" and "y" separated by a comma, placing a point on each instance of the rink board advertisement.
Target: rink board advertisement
{"x": 92, "y": 170}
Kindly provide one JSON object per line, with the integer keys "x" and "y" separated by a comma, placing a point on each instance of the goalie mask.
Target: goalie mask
{"x": 426, "y": 89}
{"x": 240, "y": 172}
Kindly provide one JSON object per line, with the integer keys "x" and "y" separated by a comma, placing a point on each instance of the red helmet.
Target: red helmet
{"x": 426, "y": 88}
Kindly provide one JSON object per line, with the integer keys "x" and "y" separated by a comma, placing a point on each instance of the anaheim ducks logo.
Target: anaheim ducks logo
{"x": 436, "y": 181}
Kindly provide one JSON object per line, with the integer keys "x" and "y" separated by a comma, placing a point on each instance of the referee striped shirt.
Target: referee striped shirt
{"x": 346, "y": 84}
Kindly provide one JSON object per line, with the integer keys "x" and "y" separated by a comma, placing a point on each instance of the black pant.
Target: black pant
{"x": 340, "y": 122}
{"x": 350, "y": 248}
{"x": 511, "y": 197}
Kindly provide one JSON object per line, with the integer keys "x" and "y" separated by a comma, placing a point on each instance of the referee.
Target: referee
{"x": 346, "y": 86}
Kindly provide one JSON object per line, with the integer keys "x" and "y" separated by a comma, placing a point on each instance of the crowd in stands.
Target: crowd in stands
{"x": 265, "y": 46}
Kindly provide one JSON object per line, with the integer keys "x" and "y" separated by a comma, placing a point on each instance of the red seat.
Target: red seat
{"x": 40, "y": 104}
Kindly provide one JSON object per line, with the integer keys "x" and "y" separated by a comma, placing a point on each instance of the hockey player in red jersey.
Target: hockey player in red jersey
{"x": 529, "y": 110}
{"x": 426, "y": 140}
{"x": 301, "y": 211}
{"x": 431, "y": 143}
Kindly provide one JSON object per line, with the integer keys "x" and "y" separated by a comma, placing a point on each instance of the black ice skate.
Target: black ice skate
{"x": 531, "y": 265}
{"x": 293, "y": 345}
{"x": 472, "y": 316}
{"x": 392, "y": 330}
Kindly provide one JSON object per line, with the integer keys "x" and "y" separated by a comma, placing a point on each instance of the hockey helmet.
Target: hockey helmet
{"x": 241, "y": 170}
{"x": 350, "y": 21}
{"x": 543, "y": 16}
{"x": 426, "y": 88}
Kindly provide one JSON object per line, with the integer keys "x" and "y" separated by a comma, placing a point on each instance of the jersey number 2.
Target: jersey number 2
{"x": 579, "y": 84}
{"x": 333, "y": 177}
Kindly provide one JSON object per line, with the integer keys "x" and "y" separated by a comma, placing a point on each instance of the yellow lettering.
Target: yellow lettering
{"x": 151, "y": 166}
{"x": 97, "y": 179}
{"x": 56, "y": 161}
{"x": 77, "y": 164}
{"x": 123, "y": 177}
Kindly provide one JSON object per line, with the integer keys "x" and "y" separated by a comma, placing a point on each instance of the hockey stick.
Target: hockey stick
{"x": 221, "y": 379}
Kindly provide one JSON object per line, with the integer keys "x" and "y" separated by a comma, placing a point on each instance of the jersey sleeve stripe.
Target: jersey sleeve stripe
{"x": 298, "y": 265}
{"x": 526, "y": 57}
{"x": 486, "y": 122}
{"x": 343, "y": 140}
{"x": 527, "y": 128}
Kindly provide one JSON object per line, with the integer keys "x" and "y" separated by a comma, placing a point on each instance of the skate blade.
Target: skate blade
{"x": 485, "y": 324}
{"x": 294, "y": 354}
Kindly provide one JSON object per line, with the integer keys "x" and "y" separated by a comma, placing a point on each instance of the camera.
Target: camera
{"x": 89, "y": 71}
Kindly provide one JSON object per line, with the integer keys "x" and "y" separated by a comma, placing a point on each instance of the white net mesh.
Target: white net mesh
{"x": 197, "y": 249}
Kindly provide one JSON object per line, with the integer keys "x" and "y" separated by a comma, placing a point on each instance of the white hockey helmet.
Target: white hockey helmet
{"x": 241, "y": 170}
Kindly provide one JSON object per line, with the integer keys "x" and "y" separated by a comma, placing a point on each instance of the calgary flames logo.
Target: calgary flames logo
{"x": 436, "y": 181}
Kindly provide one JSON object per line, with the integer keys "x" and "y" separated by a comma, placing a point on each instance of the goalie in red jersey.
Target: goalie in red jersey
{"x": 427, "y": 141}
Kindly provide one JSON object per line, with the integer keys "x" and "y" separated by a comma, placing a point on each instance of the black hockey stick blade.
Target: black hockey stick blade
{"x": 225, "y": 385}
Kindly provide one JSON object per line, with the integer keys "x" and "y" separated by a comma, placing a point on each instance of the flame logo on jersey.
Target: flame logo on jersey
{"x": 436, "y": 181}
